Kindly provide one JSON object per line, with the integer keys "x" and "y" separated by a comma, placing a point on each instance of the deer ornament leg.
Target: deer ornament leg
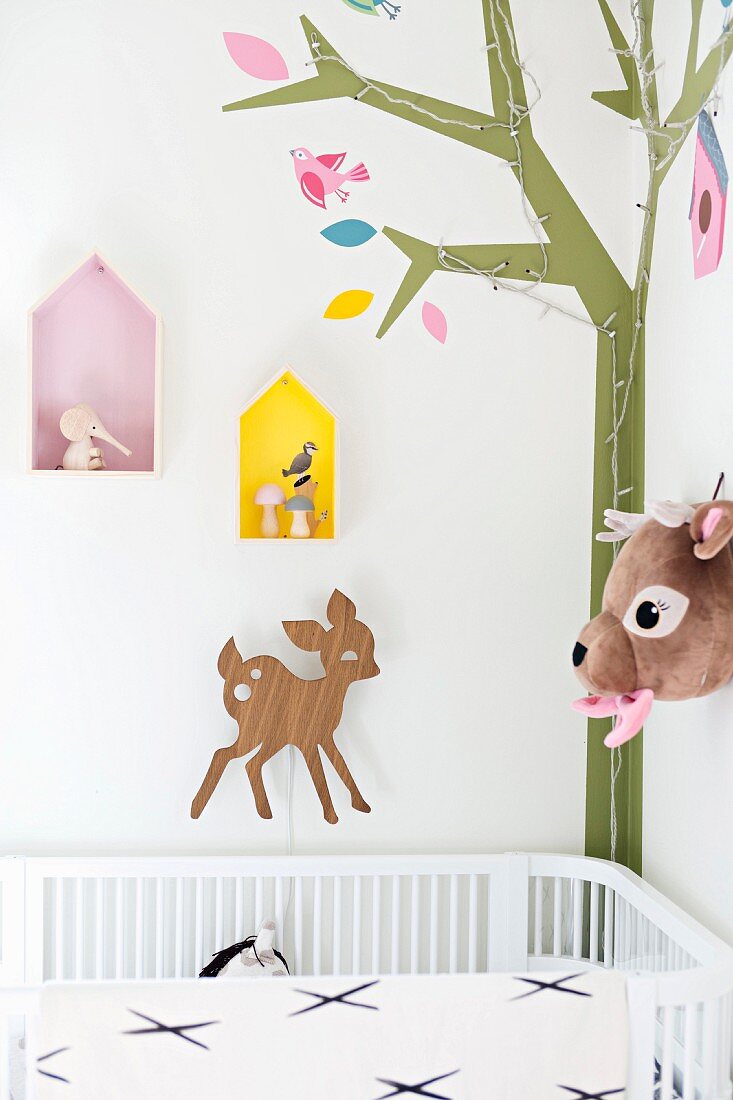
{"x": 342, "y": 770}
{"x": 219, "y": 761}
{"x": 315, "y": 767}
{"x": 254, "y": 774}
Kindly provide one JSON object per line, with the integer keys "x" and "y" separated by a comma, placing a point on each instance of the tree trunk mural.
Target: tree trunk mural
{"x": 571, "y": 255}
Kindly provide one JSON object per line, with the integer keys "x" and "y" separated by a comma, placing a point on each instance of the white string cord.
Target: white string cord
{"x": 518, "y": 113}
{"x": 615, "y": 769}
{"x": 291, "y": 769}
{"x": 675, "y": 142}
{"x": 369, "y": 86}
{"x": 291, "y": 777}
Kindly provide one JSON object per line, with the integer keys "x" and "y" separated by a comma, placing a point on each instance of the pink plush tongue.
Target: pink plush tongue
{"x": 631, "y": 712}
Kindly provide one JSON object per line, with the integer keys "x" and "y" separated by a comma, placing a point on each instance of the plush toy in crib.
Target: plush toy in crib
{"x": 666, "y": 626}
{"x": 254, "y": 957}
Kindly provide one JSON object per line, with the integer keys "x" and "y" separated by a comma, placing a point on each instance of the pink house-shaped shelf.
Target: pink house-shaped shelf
{"x": 93, "y": 339}
{"x": 709, "y": 195}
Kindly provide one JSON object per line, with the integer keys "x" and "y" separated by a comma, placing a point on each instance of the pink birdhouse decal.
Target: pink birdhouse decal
{"x": 709, "y": 194}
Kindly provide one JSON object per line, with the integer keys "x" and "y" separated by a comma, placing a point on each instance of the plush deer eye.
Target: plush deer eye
{"x": 655, "y": 612}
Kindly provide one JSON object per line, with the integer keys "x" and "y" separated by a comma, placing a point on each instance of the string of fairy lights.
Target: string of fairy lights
{"x": 674, "y": 133}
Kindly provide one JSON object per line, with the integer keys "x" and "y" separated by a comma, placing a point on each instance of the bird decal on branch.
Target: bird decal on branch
{"x": 369, "y": 7}
{"x": 319, "y": 176}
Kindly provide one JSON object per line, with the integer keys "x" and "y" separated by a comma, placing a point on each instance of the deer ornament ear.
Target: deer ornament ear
{"x": 711, "y": 528}
{"x": 306, "y": 634}
{"x": 340, "y": 610}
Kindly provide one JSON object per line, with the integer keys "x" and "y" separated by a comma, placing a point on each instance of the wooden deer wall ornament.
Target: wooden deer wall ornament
{"x": 282, "y": 709}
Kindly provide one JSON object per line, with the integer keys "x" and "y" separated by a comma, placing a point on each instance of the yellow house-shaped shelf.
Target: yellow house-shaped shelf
{"x": 287, "y": 450}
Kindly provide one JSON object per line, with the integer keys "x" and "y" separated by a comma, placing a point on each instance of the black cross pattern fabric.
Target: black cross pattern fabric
{"x": 420, "y": 1089}
{"x": 43, "y": 1069}
{"x": 340, "y": 999}
{"x": 556, "y": 986}
{"x": 159, "y": 1028}
{"x": 441, "y": 1037}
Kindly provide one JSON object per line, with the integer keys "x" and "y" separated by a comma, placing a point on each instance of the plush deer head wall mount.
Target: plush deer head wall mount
{"x": 666, "y": 626}
{"x": 281, "y": 709}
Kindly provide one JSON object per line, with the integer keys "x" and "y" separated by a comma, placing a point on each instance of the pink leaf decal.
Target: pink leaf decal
{"x": 255, "y": 56}
{"x": 434, "y": 321}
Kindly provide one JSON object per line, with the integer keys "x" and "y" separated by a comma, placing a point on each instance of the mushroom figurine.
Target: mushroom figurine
{"x": 299, "y": 507}
{"x": 269, "y": 497}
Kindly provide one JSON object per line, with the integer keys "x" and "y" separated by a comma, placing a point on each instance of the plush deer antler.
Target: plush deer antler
{"x": 623, "y": 524}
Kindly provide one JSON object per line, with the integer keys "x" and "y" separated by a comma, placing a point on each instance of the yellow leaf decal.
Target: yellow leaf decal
{"x": 348, "y": 304}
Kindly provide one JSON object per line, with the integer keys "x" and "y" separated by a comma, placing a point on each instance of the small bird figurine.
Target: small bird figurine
{"x": 302, "y": 461}
{"x": 319, "y": 176}
{"x": 369, "y": 7}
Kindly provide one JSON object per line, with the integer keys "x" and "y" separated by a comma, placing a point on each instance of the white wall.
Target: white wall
{"x": 688, "y": 750}
{"x": 117, "y": 595}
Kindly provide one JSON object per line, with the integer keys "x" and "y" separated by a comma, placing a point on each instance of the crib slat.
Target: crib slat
{"x": 538, "y": 888}
{"x": 376, "y": 923}
{"x": 179, "y": 928}
{"x": 453, "y": 924}
{"x": 689, "y": 1058}
{"x": 259, "y": 902}
{"x": 79, "y": 928}
{"x": 219, "y": 914}
{"x": 665, "y": 1089}
{"x": 99, "y": 928}
{"x": 356, "y": 927}
{"x": 414, "y": 924}
{"x": 198, "y": 936}
{"x": 336, "y": 953}
{"x": 317, "y": 921}
{"x": 472, "y": 923}
{"x": 159, "y": 917}
{"x": 299, "y": 925}
{"x": 119, "y": 928}
{"x": 280, "y": 913}
{"x": 577, "y": 918}
{"x": 59, "y": 929}
{"x": 239, "y": 909}
{"x": 139, "y": 926}
{"x": 710, "y": 1038}
{"x": 617, "y": 925}
{"x": 607, "y": 926}
{"x": 594, "y": 922}
{"x": 395, "y": 955}
{"x": 557, "y": 918}
{"x": 434, "y": 883}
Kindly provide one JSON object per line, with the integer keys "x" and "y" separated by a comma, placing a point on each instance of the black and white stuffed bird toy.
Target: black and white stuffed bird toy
{"x": 254, "y": 957}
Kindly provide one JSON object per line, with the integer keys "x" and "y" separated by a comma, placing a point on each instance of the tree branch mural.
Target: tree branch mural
{"x": 568, "y": 252}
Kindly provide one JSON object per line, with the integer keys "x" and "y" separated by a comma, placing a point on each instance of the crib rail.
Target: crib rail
{"x": 589, "y": 911}
{"x": 162, "y": 918}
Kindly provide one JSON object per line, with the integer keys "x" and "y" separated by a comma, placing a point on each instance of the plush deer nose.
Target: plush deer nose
{"x": 579, "y": 653}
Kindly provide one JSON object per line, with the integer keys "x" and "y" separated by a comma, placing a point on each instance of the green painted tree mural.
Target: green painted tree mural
{"x": 571, "y": 254}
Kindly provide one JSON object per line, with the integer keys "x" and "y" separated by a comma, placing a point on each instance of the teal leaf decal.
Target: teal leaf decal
{"x": 349, "y": 233}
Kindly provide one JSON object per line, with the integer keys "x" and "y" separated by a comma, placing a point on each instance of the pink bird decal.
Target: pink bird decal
{"x": 319, "y": 176}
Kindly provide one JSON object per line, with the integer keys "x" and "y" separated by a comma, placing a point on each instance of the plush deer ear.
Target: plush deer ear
{"x": 306, "y": 634}
{"x": 711, "y": 528}
{"x": 74, "y": 423}
{"x": 340, "y": 610}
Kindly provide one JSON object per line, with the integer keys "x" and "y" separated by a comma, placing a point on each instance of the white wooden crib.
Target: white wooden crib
{"x": 118, "y": 918}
